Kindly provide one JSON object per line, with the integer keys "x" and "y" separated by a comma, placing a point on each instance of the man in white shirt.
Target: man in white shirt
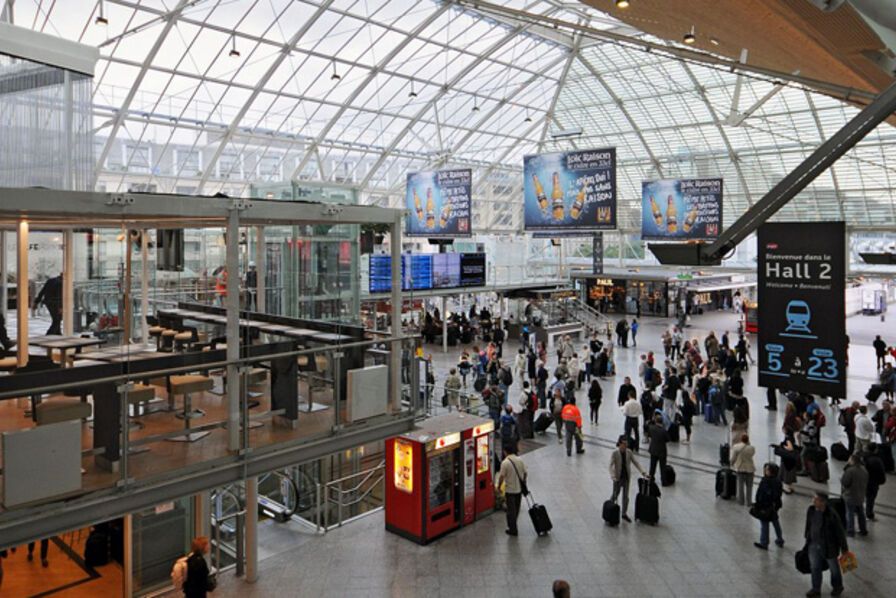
{"x": 632, "y": 411}
{"x": 512, "y": 473}
{"x": 864, "y": 430}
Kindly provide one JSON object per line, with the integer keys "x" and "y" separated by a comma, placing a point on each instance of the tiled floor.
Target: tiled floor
{"x": 703, "y": 546}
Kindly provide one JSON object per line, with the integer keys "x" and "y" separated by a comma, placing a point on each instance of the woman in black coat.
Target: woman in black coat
{"x": 595, "y": 395}
{"x": 767, "y": 504}
{"x": 688, "y": 410}
{"x": 198, "y": 582}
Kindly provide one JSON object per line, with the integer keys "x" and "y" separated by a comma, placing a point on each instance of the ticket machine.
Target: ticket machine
{"x": 439, "y": 476}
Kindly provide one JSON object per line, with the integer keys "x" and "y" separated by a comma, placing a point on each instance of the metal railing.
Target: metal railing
{"x": 343, "y": 498}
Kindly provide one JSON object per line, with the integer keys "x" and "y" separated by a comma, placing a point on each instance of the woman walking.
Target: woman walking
{"x": 595, "y": 395}
{"x": 742, "y": 463}
{"x": 767, "y": 505}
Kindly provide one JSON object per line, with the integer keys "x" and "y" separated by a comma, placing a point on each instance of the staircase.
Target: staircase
{"x": 590, "y": 318}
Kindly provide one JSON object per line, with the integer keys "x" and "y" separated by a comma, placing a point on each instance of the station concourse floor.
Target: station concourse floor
{"x": 703, "y": 546}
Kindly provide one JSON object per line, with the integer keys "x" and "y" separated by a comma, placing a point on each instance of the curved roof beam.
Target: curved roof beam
{"x": 511, "y": 34}
{"x": 228, "y": 135}
{"x": 170, "y": 20}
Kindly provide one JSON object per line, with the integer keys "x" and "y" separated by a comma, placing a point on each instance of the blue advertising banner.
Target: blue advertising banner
{"x": 566, "y": 191}
{"x": 681, "y": 209}
{"x": 438, "y": 203}
{"x": 802, "y": 307}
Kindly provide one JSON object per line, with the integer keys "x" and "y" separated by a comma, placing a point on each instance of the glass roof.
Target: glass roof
{"x": 206, "y": 96}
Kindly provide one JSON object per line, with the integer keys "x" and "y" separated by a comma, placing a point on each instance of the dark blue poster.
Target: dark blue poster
{"x": 681, "y": 209}
{"x": 438, "y": 203}
{"x": 566, "y": 191}
{"x": 802, "y": 307}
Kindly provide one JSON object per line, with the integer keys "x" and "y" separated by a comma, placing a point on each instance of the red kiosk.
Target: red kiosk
{"x": 439, "y": 476}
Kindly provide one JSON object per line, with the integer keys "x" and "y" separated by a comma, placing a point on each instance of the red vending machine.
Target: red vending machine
{"x": 432, "y": 484}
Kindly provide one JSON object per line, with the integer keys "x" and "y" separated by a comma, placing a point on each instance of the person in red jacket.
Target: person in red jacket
{"x": 572, "y": 421}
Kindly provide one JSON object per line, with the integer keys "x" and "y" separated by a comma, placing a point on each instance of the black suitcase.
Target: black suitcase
{"x": 839, "y": 507}
{"x": 725, "y": 455}
{"x": 647, "y": 509}
{"x": 611, "y": 513}
{"x": 539, "y": 515}
{"x": 648, "y": 487}
{"x": 543, "y": 422}
{"x": 674, "y": 434}
{"x": 726, "y": 483}
{"x": 819, "y": 472}
{"x": 816, "y": 454}
{"x": 874, "y": 392}
{"x": 667, "y": 476}
{"x": 839, "y": 451}
{"x": 96, "y": 549}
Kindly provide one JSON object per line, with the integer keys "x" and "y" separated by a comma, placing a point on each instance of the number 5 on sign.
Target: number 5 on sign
{"x": 774, "y": 357}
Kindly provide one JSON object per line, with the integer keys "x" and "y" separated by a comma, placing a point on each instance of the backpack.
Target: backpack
{"x": 507, "y": 375}
{"x": 179, "y": 573}
{"x": 841, "y": 419}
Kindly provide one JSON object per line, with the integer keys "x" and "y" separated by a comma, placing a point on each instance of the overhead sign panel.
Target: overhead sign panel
{"x": 681, "y": 209}
{"x": 802, "y": 311}
{"x": 566, "y": 191}
{"x": 438, "y": 203}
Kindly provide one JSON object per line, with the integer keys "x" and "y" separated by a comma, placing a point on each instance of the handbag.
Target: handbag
{"x": 524, "y": 487}
{"x": 801, "y": 560}
{"x": 848, "y": 561}
{"x": 765, "y": 513}
{"x": 445, "y": 399}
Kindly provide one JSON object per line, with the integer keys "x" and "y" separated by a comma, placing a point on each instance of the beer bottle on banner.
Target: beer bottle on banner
{"x": 557, "y": 197}
{"x": 690, "y": 220}
{"x": 445, "y": 215}
{"x": 576, "y": 210}
{"x": 430, "y": 209}
{"x": 539, "y": 194}
{"x": 671, "y": 216}
{"x": 657, "y": 215}
{"x": 418, "y": 206}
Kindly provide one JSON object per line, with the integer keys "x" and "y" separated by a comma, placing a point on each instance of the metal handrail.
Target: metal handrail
{"x": 340, "y": 504}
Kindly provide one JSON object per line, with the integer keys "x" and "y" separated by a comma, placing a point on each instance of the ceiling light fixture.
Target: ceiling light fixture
{"x": 690, "y": 37}
{"x": 413, "y": 93}
{"x": 101, "y": 19}
{"x": 622, "y": 3}
{"x": 234, "y": 53}
{"x": 335, "y": 76}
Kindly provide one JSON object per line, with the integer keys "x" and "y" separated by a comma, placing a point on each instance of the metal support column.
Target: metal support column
{"x": 251, "y": 536}
{"x": 261, "y": 269}
{"x": 144, "y": 285}
{"x": 68, "y": 283}
{"x": 128, "y": 319}
{"x": 395, "y": 328}
{"x": 23, "y": 301}
{"x": 202, "y": 514}
{"x": 444, "y": 324}
{"x": 232, "y": 304}
{"x": 3, "y": 277}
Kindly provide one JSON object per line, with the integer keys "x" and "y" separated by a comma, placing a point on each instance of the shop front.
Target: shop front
{"x": 628, "y": 296}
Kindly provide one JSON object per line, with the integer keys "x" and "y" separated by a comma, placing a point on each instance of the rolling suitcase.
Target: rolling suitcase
{"x": 647, "y": 502}
{"x": 667, "y": 476}
{"x": 725, "y": 455}
{"x": 543, "y": 422}
{"x": 818, "y": 471}
{"x": 726, "y": 483}
{"x": 611, "y": 513}
{"x": 539, "y": 515}
{"x": 707, "y": 413}
{"x": 648, "y": 487}
{"x": 674, "y": 433}
{"x": 839, "y": 451}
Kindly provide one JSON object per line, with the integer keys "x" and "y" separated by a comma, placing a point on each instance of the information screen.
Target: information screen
{"x": 445, "y": 270}
{"x": 802, "y": 311}
{"x": 416, "y": 272}
{"x": 380, "y": 273}
{"x": 472, "y": 270}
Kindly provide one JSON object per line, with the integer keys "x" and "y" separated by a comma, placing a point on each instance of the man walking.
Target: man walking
{"x": 513, "y": 475}
{"x": 621, "y": 462}
{"x": 658, "y": 436}
{"x": 880, "y": 350}
{"x": 877, "y": 477}
{"x": 572, "y": 421}
{"x": 825, "y": 540}
{"x": 853, "y": 487}
{"x": 51, "y": 296}
{"x": 864, "y": 430}
{"x": 632, "y": 411}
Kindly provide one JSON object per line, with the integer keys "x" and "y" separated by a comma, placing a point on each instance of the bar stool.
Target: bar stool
{"x": 54, "y": 411}
{"x": 156, "y": 333}
{"x": 186, "y": 385}
{"x": 184, "y": 340}
{"x": 168, "y": 340}
{"x": 139, "y": 393}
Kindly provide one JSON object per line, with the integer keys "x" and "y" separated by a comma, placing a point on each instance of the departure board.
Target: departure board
{"x": 472, "y": 269}
{"x": 445, "y": 270}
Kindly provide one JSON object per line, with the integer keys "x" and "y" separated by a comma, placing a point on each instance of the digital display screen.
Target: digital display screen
{"x": 428, "y": 271}
{"x": 472, "y": 270}
{"x": 404, "y": 466}
{"x": 445, "y": 270}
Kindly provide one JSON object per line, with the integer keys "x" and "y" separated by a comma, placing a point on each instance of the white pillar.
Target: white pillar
{"x": 395, "y": 329}
{"x": 251, "y": 530}
{"x": 232, "y": 305}
{"x": 144, "y": 284}
{"x": 23, "y": 301}
{"x": 444, "y": 324}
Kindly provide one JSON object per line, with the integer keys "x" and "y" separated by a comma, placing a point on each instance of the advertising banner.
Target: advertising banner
{"x": 802, "y": 308}
{"x": 681, "y": 209}
{"x": 597, "y": 254}
{"x": 565, "y": 191}
{"x": 438, "y": 203}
